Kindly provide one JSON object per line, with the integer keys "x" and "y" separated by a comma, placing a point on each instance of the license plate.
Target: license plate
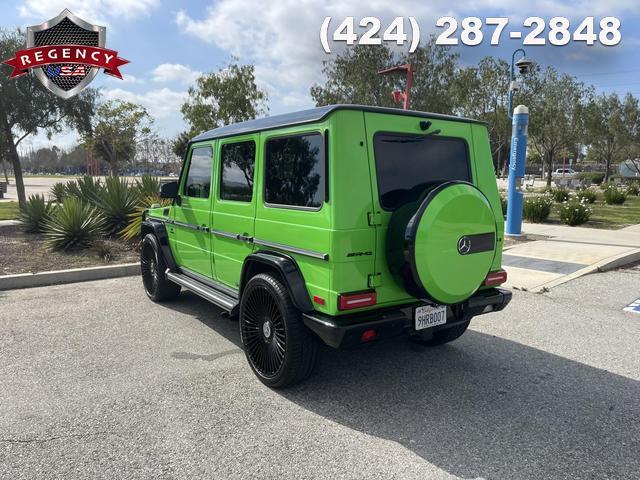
{"x": 430, "y": 316}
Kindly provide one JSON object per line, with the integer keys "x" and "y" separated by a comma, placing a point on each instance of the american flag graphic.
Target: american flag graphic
{"x": 72, "y": 71}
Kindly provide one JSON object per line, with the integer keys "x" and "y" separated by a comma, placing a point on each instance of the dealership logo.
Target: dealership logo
{"x": 66, "y": 53}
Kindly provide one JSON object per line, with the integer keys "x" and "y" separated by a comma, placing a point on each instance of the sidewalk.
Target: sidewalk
{"x": 567, "y": 253}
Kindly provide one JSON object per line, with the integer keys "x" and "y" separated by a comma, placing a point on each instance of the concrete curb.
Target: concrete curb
{"x": 59, "y": 277}
{"x": 603, "y": 265}
{"x": 9, "y": 223}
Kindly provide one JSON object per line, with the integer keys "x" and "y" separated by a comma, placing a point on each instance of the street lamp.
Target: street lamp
{"x": 518, "y": 154}
{"x": 524, "y": 65}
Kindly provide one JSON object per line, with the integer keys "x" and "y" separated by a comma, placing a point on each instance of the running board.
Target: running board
{"x": 212, "y": 295}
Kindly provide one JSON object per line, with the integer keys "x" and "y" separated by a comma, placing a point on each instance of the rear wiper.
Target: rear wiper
{"x": 434, "y": 132}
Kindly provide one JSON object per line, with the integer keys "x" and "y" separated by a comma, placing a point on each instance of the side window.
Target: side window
{"x": 294, "y": 171}
{"x": 237, "y": 163}
{"x": 198, "y": 183}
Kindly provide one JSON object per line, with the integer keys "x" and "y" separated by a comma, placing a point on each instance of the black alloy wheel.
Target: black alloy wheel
{"x": 279, "y": 348}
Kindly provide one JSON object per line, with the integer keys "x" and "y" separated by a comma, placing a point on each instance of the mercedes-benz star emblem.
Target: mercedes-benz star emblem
{"x": 464, "y": 245}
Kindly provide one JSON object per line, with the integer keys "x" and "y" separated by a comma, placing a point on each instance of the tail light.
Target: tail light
{"x": 495, "y": 278}
{"x": 349, "y": 301}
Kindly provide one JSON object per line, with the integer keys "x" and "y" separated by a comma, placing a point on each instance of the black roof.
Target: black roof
{"x": 310, "y": 116}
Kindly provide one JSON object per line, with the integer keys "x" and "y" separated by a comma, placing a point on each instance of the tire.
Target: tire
{"x": 152, "y": 267}
{"x": 279, "y": 348}
{"x": 443, "y": 336}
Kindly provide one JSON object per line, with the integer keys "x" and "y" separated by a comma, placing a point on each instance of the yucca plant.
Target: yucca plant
{"x": 148, "y": 186}
{"x": 35, "y": 213}
{"x": 132, "y": 230}
{"x": 86, "y": 189}
{"x": 116, "y": 202}
{"x": 75, "y": 225}
{"x": 58, "y": 192}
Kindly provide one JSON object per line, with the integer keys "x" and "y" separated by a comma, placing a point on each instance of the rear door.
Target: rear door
{"x": 406, "y": 162}
{"x": 234, "y": 206}
{"x": 192, "y": 212}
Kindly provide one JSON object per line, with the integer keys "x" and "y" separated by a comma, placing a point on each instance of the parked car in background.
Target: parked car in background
{"x": 564, "y": 172}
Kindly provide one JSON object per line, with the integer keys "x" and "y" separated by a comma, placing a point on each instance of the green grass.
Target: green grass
{"x": 9, "y": 210}
{"x": 609, "y": 216}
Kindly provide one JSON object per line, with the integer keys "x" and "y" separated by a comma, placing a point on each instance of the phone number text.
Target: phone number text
{"x": 472, "y": 31}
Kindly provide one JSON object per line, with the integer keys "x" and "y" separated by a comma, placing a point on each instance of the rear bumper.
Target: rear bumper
{"x": 345, "y": 331}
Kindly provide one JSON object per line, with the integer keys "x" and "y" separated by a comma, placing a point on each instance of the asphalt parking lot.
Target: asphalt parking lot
{"x": 98, "y": 382}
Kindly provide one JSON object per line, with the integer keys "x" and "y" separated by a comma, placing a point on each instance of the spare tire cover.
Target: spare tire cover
{"x": 450, "y": 242}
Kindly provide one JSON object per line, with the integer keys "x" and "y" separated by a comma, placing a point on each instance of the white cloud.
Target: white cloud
{"x": 282, "y": 39}
{"x": 90, "y": 10}
{"x": 175, "y": 72}
{"x": 162, "y": 103}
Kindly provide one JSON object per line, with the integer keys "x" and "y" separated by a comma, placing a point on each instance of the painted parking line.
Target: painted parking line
{"x": 552, "y": 266}
{"x": 633, "y": 307}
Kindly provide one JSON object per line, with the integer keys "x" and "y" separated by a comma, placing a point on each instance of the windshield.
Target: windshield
{"x": 409, "y": 165}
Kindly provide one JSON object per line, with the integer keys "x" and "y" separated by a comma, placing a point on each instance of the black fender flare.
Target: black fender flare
{"x": 159, "y": 230}
{"x": 288, "y": 270}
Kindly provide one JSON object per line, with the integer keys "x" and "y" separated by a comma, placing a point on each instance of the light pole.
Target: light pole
{"x": 518, "y": 154}
{"x": 524, "y": 64}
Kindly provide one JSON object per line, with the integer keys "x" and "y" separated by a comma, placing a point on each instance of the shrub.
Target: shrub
{"x": 595, "y": 177}
{"x": 105, "y": 251}
{"x": 586, "y": 195}
{"x": 503, "y": 204}
{"x": 560, "y": 194}
{"x": 86, "y": 189}
{"x": 614, "y": 196}
{"x": 575, "y": 212}
{"x": 74, "y": 225}
{"x": 537, "y": 209}
{"x": 148, "y": 186}
{"x": 58, "y": 192}
{"x": 116, "y": 202}
{"x": 35, "y": 213}
{"x": 633, "y": 189}
{"x": 132, "y": 230}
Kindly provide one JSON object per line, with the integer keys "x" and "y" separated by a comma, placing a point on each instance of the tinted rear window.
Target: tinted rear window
{"x": 238, "y": 161}
{"x": 294, "y": 171}
{"x": 409, "y": 165}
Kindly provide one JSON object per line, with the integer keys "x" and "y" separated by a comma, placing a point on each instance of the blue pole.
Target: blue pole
{"x": 517, "y": 160}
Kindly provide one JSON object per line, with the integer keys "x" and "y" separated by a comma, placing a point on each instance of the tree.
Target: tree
{"x": 351, "y": 77}
{"x": 26, "y": 107}
{"x": 556, "y": 105}
{"x": 611, "y": 126}
{"x": 117, "y": 129}
{"x": 482, "y": 92}
{"x": 181, "y": 142}
{"x": 220, "y": 98}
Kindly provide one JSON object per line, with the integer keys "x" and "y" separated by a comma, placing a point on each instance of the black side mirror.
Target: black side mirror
{"x": 169, "y": 190}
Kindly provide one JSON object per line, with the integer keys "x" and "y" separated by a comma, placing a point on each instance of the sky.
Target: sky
{"x": 169, "y": 43}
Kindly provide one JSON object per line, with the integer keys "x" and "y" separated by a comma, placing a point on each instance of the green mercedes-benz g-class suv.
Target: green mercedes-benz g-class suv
{"x": 345, "y": 224}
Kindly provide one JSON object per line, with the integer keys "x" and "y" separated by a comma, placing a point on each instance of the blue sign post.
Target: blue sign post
{"x": 517, "y": 161}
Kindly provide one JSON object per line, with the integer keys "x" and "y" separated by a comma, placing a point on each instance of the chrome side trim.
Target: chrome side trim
{"x": 233, "y": 236}
{"x": 287, "y": 248}
{"x": 208, "y": 293}
{"x": 190, "y": 226}
{"x": 220, "y": 233}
